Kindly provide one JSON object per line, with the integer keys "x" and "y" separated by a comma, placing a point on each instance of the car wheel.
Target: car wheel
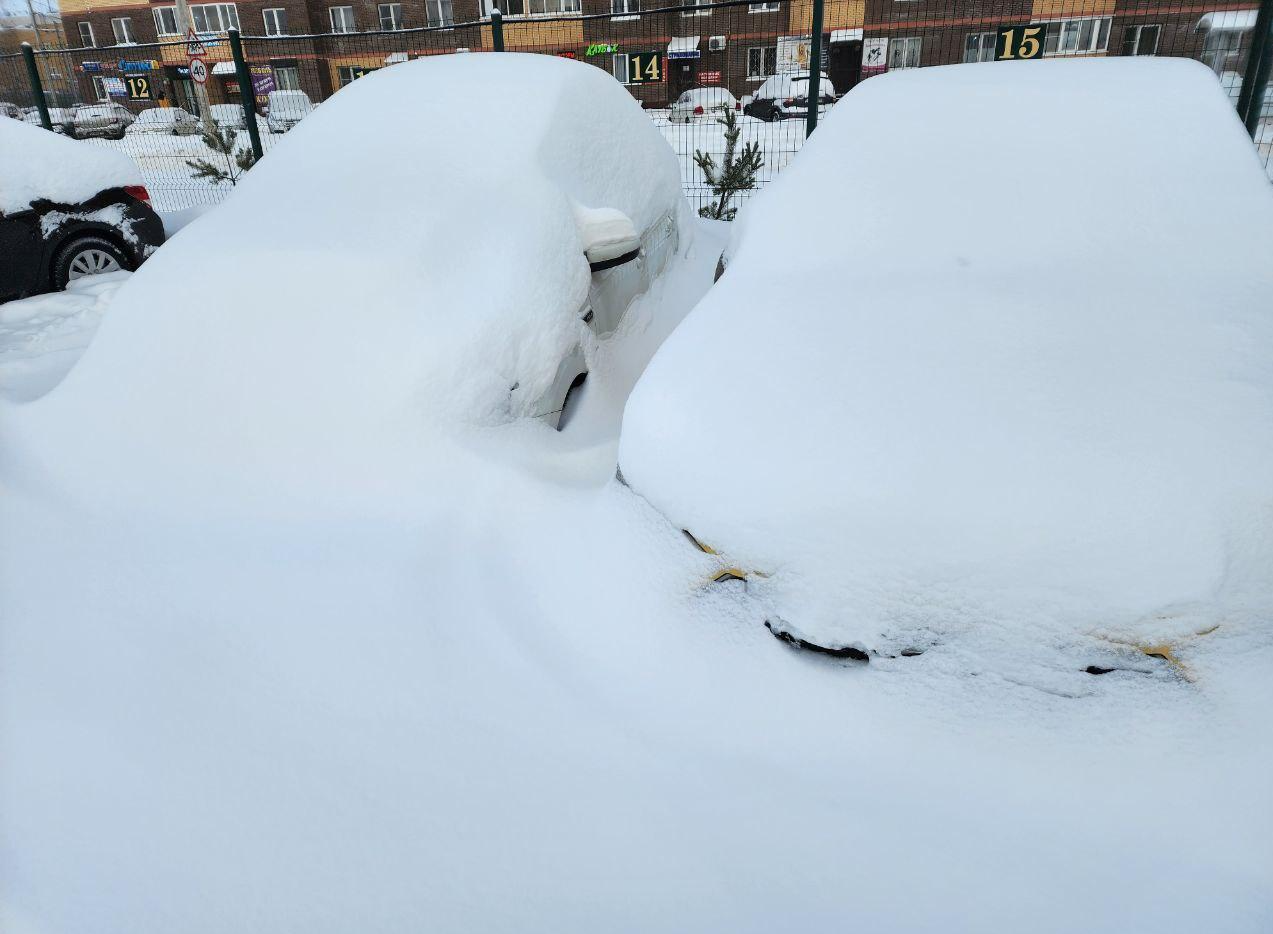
{"x": 87, "y": 256}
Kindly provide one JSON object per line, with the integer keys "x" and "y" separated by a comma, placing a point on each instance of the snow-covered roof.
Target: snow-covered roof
{"x": 223, "y": 68}
{"x": 39, "y": 164}
{"x": 683, "y": 47}
{"x": 953, "y": 413}
{"x": 1228, "y": 21}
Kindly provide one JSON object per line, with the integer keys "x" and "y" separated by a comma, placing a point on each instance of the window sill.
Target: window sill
{"x": 698, "y": 13}
{"x": 753, "y": 12}
{"x": 624, "y": 18}
{"x": 523, "y": 17}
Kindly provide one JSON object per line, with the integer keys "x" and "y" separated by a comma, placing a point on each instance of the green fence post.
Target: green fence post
{"x": 497, "y": 29}
{"x": 1259, "y": 63}
{"x": 37, "y": 89}
{"x": 815, "y": 70}
{"x": 247, "y": 95}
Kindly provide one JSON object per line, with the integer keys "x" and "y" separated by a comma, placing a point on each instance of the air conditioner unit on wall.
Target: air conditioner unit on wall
{"x": 716, "y": 44}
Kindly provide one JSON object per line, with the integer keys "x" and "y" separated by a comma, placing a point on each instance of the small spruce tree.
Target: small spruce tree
{"x": 734, "y": 175}
{"x": 224, "y": 142}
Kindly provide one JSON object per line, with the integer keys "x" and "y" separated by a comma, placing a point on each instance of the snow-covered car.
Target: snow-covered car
{"x": 467, "y": 291}
{"x": 286, "y": 109}
{"x": 227, "y": 116}
{"x": 67, "y": 211}
{"x": 1021, "y": 429}
{"x": 8, "y": 109}
{"x": 787, "y": 95}
{"x": 174, "y": 121}
{"x": 60, "y": 118}
{"x": 109, "y": 120}
{"x": 702, "y": 104}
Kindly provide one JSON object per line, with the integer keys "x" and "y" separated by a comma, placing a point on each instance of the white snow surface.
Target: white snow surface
{"x": 416, "y": 300}
{"x": 1004, "y": 404}
{"x": 35, "y": 163}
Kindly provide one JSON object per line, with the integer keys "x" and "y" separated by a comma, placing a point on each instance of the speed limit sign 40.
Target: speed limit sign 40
{"x": 198, "y": 70}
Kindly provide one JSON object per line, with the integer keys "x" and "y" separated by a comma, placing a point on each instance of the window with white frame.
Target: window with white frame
{"x": 166, "y": 21}
{"x": 439, "y": 12}
{"x": 122, "y": 27}
{"x": 1141, "y": 40}
{"x": 390, "y": 16}
{"x": 698, "y": 12}
{"x": 619, "y": 64}
{"x": 345, "y": 74}
{"x": 762, "y": 61}
{"x": 534, "y": 7}
{"x": 86, "y": 36}
{"x": 287, "y": 78}
{"x": 625, "y": 7}
{"x": 214, "y": 17}
{"x": 1077, "y": 36}
{"x": 762, "y": 7}
{"x": 903, "y": 52}
{"x": 275, "y": 19}
{"x": 99, "y": 88}
{"x": 980, "y": 47}
{"x": 342, "y": 18}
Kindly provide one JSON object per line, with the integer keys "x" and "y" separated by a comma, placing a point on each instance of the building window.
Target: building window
{"x": 1141, "y": 40}
{"x": 287, "y": 78}
{"x": 390, "y": 16}
{"x": 214, "y": 17}
{"x": 99, "y": 88}
{"x": 620, "y": 65}
{"x": 439, "y": 12}
{"x": 1077, "y": 36}
{"x": 123, "y": 30}
{"x": 698, "y": 12}
{"x": 345, "y": 75}
{"x": 166, "y": 20}
{"x": 535, "y": 7}
{"x": 625, "y": 8}
{"x": 275, "y": 21}
{"x": 979, "y": 47}
{"x": 86, "y": 36}
{"x": 903, "y": 53}
{"x": 762, "y": 7}
{"x": 762, "y": 61}
{"x": 342, "y": 18}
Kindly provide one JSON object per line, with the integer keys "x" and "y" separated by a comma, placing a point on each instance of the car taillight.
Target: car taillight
{"x": 138, "y": 191}
{"x": 698, "y": 110}
{"x": 737, "y": 106}
{"x": 789, "y": 101}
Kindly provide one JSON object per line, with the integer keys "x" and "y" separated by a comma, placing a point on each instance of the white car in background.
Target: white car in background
{"x": 703, "y": 104}
{"x": 227, "y": 116}
{"x": 173, "y": 121}
{"x": 286, "y": 109}
{"x": 60, "y": 118}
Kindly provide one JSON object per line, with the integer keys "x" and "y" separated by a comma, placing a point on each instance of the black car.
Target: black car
{"x": 48, "y": 245}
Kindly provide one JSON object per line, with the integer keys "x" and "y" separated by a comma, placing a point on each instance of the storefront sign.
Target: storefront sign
{"x": 645, "y": 67}
{"x": 709, "y": 77}
{"x": 90, "y": 68}
{"x": 875, "y": 53}
{"x": 138, "y": 87}
{"x": 262, "y": 83}
{"x": 602, "y": 49}
{"x": 114, "y": 87}
{"x": 138, "y": 66}
{"x": 1020, "y": 41}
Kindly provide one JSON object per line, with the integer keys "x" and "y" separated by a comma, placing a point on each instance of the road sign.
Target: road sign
{"x": 194, "y": 46}
{"x": 198, "y": 70}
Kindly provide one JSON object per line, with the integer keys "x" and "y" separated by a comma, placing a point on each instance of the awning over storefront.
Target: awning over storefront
{"x": 1228, "y": 21}
{"x": 395, "y": 58}
{"x": 846, "y": 35}
{"x": 223, "y": 68}
{"x": 683, "y": 47}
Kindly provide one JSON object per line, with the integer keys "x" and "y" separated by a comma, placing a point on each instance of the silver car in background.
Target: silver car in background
{"x": 107, "y": 119}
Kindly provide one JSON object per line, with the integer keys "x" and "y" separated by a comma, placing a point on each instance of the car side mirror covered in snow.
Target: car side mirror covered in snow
{"x": 609, "y": 237}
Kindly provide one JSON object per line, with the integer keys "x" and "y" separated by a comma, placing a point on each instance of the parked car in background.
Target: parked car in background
{"x": 787, "y": 95}
{"x": 227, "y": 116}
{"x": 110, "y": 120}
{"x": 60, "y": 118}
{"x": 92, "y": 216}
{"x": 286, "y": 109}
{"x": 702, "y": 104}
{"x": 173, "y": 120}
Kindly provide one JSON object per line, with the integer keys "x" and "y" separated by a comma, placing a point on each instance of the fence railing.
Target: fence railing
{"x": 737, "y": 54}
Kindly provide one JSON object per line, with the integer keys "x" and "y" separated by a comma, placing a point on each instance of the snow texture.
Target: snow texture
{"x": 1028, "y": 397}
{"x": 39, "y": 164}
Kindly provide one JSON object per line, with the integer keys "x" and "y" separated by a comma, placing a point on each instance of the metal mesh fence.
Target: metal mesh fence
{"x": 684, "y": 64}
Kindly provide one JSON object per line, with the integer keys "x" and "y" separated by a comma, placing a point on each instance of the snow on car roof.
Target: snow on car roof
{"x": 38, "y": 164}
{"x": 1025, "y": 389}
{"x": 707, "y": 94}
{"x": 411, "y": 272}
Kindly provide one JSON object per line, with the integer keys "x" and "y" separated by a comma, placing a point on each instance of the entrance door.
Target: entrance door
{"x": 682, "y": 75}
{"x": 846, "y": 65}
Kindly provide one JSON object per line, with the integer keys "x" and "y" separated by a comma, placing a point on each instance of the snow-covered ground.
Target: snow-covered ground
{"x": 282, "y": 651}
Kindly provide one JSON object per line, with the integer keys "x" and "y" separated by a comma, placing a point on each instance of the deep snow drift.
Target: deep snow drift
{"x": 39, "y": 164}
{"x": 471, "y": 684}
{"x": 1027, "y": 394}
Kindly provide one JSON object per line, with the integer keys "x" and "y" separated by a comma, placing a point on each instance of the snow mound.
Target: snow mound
{"x": 379, "y": 278}
{"x": 35, "y": 164}
{"x": 1027, "y": 390}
